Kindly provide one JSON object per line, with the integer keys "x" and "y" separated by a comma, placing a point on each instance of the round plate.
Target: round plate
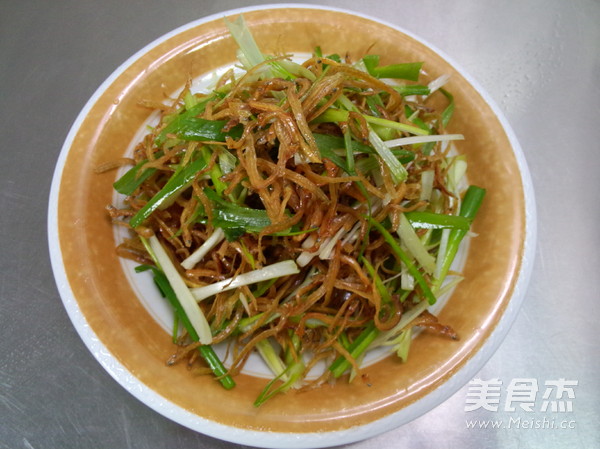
{"x": 133, "y": 347}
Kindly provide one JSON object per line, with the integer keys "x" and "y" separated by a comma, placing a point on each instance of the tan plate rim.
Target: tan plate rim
{"x": 275, "y": 439}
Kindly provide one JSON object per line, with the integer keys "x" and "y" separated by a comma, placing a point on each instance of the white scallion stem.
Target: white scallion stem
{"x": 244, "y": 302}
{"x": 397, "y": 170}
{"x": 190, "y": 306}
{"x": 327, "y": 248}
{"x": 412, "y": 140}
{"x": 407, "y": 282}
{"x": 306, "y": 256}
{"x": 273, "y": 361}
{"x": 427, "y": 178}
{"x": 279, "y": 269}
{"x": 246, "y": 42}
{"x": 414, "y": 246}
{"x": 456, "y": 174}
{"x": 437, "y": 83}
{"x": 215, "y": 238}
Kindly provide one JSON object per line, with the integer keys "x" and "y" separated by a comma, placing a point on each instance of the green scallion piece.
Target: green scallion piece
{"x": 178, "y": 182}
{"x": 175, "y": 124}
{"x": 407, "y": 71}
{"x": 468, "y": 209}
{"x": 133, "y": 178}
{"x": 199, "y": 129}
{"x": 356, "y": 349}
{"x": 412, "y": 269}
{"x": 431, "y": 220}
{"x": 379, "y": 285}
{"x": 206, "y": 351}
{"x": 292, "y": 374}
{"x": 397, "y": 170}
{"x": 449, "y": 110}
{"x": 412, "y": 89}
{"x": 338, "y": 115}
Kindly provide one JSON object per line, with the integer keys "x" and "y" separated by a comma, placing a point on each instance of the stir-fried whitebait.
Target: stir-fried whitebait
{"x": 309, "y": 212}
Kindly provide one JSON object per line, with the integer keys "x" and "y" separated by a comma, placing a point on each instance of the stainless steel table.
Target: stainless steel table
{"x": 539, "y": 60}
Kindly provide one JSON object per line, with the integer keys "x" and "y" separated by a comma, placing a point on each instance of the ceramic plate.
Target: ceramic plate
{"x": 126, "y": 335}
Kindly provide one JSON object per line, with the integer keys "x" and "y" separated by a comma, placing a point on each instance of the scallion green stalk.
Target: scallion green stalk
{"x": 356, "y": 348}
{"x": 338, "y": 115}
{"x": 206, "y": 351}
{"x": 412, "y": 269}
{"x": 273, "y": 361}
{"x": 431, "y": 220}
{"x": 379, "y": 285}
{"x": 179, "y": 181}
{"x": 469, "y": 208}
{"x": 133, "y": 178}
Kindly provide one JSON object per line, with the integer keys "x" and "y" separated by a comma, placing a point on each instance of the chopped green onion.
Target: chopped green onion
{"x": 132, "y": 179}
{"x": 189, "y": 100}
{"x": 338, "y": 115}
{"x": 232, "y": 217}
{"x": 252, "y": 55}
{"x": 215, "y": 238}
{"x": 449, "y": 110}
{"x": 215, "y": 172}
{"x": 356, "y": 348}
{"x": 412, "y": 140}
{"x": 227, "y": 161}
{"x": 326, "y": 145}
{"x": 426, "y": 291}
{"x": 370, "y": 163}
{"x": 431, "y": 220}
{"x": 438, "y": 83}
{"x": 243, "y": 37}
{"x": 297, "y": 69}
{"x": 179, "y": 181}
{"x": 469, "y": 207}
{"x": 349, "y": 150}
{"x": 279, "y": 269}
{"x": 456, "y": 172}
{"x": 402, "y": 345}
{"x": 293, "y": 374}
{"x": 263, "y": 287}
{"x": 379, "y": 285}
{"x": 199, "y": 129}
{"x": 374, "y": 102}
{"x": 414, "y": 245}
{"x": 412, "y": 89}
{"x": 175, "y": 124}
{"x": 427, "y": 179}
{"x": 192, "y": 310}
{"x": 397, "y": 170}
{"x": 206, "y": 351}
{"x": 407, "y": 281}
{"x": 408, "y": 71}
{"x": 370, "y": 62}
{"x": 273, "y": 361}
{"x": 439, "y": 263}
